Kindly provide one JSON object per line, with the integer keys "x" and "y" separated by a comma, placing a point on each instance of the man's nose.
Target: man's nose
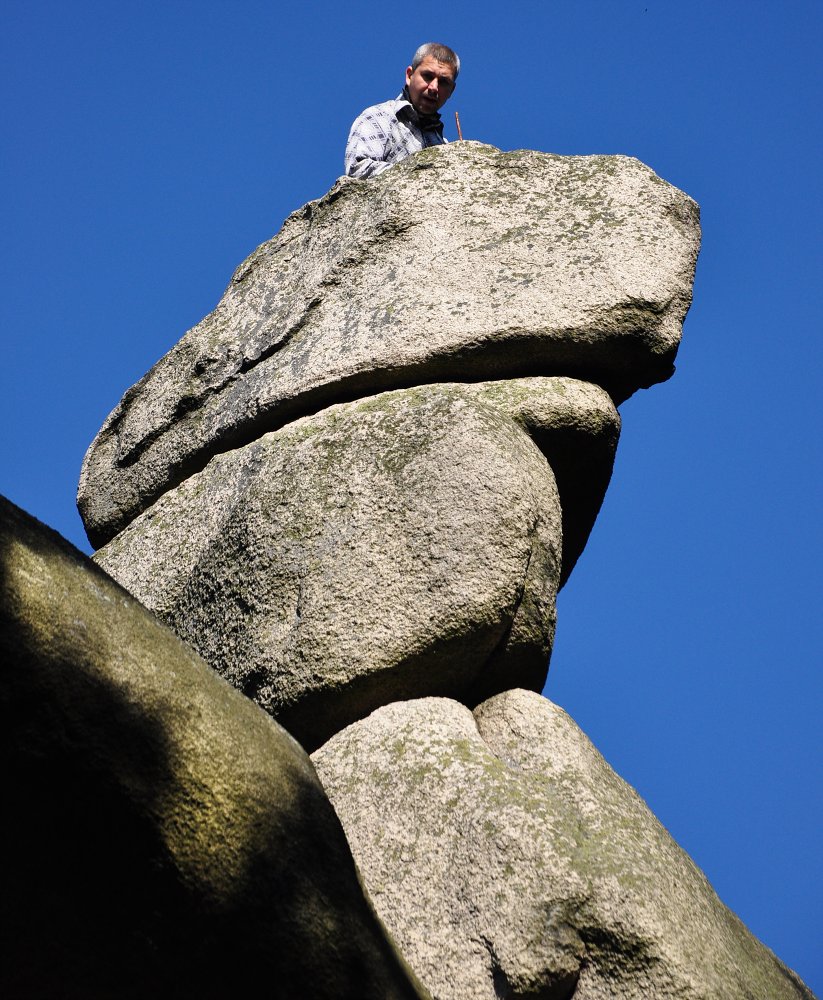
{"x": 433, "y": 85}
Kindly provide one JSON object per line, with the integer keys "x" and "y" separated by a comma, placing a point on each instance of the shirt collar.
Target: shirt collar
{"x": 406, "y": 110}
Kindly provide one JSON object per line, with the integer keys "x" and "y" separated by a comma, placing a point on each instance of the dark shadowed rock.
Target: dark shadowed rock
{"x": 462, "y": 262}
{"x": 403, "y": 545}
{"x": 161, "y": 836}
{"x": 508, "y": 860}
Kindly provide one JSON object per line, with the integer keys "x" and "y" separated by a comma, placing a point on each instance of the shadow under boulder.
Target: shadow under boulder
{"x": 162, "y": 836}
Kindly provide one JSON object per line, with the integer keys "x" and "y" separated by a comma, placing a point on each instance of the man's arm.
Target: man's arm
{"x": 366, "y": 148}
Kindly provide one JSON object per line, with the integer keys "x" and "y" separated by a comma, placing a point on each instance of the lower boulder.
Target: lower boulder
{"x": 162, "y": 836}
{"x": 509, "y": 861}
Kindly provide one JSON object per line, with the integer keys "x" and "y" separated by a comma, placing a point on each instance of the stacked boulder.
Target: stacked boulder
{"x": 355, "y": 488}
{"x": 363, "y": 477}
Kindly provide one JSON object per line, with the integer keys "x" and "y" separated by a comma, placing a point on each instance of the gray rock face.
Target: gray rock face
{"x": 403, "y": 545}
{"x": 323, "y": 492}
{"x": 460, "y": 263}
{"x": 161, "y": 836}
{"x": 508, "y": 860}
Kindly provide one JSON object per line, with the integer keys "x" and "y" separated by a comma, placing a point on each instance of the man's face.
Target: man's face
{"x": 430, "y": 85}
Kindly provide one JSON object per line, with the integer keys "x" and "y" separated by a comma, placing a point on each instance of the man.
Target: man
{"x": 389, "y": 132}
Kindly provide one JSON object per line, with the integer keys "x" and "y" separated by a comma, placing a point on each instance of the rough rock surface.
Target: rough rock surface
{"x": 508, "y": 860}
{"x": 161, "y": 836}
{"x": 576, "y": 426}
{"x": 462, "y": 262}
{"x": 403, "y": 545}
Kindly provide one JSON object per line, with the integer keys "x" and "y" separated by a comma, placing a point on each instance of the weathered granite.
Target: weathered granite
{"x": 402, "y": 545}
{"x": 462, "y": 262}
{"x": 576, "y": 426}
{"x": 508, "y": 860}
{"x": 161, "y": 837}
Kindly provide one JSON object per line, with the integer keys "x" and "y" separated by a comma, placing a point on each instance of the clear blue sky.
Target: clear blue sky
{"x": 149, "y": 147}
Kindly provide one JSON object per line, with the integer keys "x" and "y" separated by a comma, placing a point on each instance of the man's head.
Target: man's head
{"x": 432, "y": 76}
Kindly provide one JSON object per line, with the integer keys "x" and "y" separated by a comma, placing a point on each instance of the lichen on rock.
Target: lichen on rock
{"x": 507, "y": 859}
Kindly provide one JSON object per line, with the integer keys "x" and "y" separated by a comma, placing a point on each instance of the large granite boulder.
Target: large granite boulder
{"x": 161, "y": 836}
{"x": 402, "y": 545}
{"x": 461, "y": 263}
{"x": 509, "y": 861}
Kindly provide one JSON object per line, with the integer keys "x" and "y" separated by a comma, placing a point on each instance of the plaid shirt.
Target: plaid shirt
{"x": 385, "y": 134}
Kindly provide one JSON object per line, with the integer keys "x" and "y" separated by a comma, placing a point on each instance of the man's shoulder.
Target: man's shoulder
{"x": 386, "y": 109}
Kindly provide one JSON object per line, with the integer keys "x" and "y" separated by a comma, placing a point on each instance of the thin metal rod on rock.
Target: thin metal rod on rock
{"x": 459, "y": 130}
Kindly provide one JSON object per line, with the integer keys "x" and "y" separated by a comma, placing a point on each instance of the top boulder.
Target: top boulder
{"x": 461, "y": 263}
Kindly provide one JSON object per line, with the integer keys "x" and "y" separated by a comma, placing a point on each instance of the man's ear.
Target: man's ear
{"x": 409, "y": 72}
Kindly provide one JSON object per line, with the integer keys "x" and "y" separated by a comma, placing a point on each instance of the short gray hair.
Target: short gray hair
{"x": 442, "y": 53}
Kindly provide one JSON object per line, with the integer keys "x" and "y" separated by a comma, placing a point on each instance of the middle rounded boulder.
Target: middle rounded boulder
{"x": 401, "y": 545}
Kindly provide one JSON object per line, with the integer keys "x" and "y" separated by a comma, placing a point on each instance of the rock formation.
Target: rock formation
{"x": 337, "y": 561}
{"x": 463, "y": 263}
{"x": 507, "y": 859}
{"x": 162, "y": 836}
{"x": 355, "y": 489}
{"x": 404, "y": 545}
